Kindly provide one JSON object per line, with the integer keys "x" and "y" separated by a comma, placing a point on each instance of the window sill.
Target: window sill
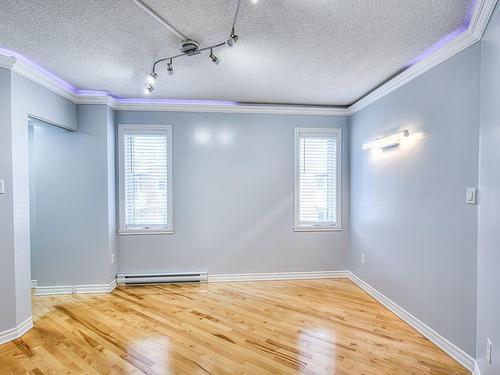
{"x": 144, "y": 232}
{"x": 316, "y": 229}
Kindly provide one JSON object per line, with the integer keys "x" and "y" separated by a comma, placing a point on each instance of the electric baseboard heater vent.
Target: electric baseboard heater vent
{"x": 161, "y": 278}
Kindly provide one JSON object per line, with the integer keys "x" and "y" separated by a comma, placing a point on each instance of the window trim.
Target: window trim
{"x": 143, "y": 128}
{"x": 297, "y": 227}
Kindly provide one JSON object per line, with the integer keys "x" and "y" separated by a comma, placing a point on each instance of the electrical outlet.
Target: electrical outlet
{"x": 112, "y": 258}
{"x": 488, "y": 350}
{"x": 363, "y": 258}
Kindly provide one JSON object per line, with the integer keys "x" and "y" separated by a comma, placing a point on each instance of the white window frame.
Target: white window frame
{"x": 319, "y": 227}
{"x": 143, "y": 129}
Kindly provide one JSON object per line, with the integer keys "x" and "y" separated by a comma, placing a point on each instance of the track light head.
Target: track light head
{"x": 232, "y": 39}
{"x": 148, "y": 90}
{"x": 152, "y": 78}
{"x": 214, "y": 58}
{"x": 170, "y": 67}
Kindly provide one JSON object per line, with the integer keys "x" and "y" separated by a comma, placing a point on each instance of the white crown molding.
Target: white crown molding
{"x": 219, "y": 278}
{"x": 127, "y": 105}
{"x": 448, "y": 347}
{"x": 481, "y": 16}
{"x": 7, "y": 62}
{"x": 479, "y": 21}
{"x": 43, "y": 79}
{"x": 451, "y": 49}
{"x": 16, "y": 332}
{"x": 477, "y": 25}
{"x": 75, "y": 289}
{"x": 105, "y": 99}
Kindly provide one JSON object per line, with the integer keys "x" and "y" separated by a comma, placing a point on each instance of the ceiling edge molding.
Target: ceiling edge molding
{"x": 43, "y": 79}
{"x": 64, "y": 89}
{"x": 479, "y": 21}
{"x": 271, "y": 109}
{"x": 451, "y": 49}
{"x": 482, "y": 14}
{"x": 7, "y": 62}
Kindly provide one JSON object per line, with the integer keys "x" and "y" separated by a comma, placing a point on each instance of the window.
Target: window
{"x": 317, "y": 179}
{"x": 145, "y": 173}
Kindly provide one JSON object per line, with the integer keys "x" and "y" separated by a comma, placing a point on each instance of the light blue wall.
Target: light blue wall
{"x": 233, "y": 198}
{"x": 408, "y": 211}
{"x": 112, "y": 193}
{"x": 7, "y": 260}
{"x": 74, "y": 213}
{"x": 20, "y": 97}
{"x": 28, "y": 98}
{"x": 488, "y": 288}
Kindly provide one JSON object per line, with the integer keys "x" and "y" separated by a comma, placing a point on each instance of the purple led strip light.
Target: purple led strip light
{"x": 446, "y": 39}
{"x": 422, "y": 56}
{"x": 101, "y": 93}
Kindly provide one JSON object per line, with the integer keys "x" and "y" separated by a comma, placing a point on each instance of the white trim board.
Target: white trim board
{"x": 444, "y": 344}
{"x": 75, "y": 289}
{"x": 16, "y": 332}
{"x": 477, "y": 25}
{"x": 34, "y": 283}
{"x": 237, "y": 277}
{"x": 476, "y": 371}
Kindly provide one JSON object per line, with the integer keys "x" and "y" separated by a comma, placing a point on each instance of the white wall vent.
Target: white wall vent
{"x": 161, "y": 278}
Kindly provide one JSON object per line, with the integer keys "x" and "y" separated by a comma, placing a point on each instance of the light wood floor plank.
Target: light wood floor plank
{"x": 270, "y": 327}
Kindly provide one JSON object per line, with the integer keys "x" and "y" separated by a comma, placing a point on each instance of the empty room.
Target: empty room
{"x": 250, "y": 187}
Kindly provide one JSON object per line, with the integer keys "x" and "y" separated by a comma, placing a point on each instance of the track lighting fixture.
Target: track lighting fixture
{"x": 232, "y": 39}
{"x": 152, "y": 78}
{"x": 188, "y": 47}
{"x": 213, "y": 57}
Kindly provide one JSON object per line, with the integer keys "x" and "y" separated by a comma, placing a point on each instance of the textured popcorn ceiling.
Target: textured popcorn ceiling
{"x": 327, "y": 52}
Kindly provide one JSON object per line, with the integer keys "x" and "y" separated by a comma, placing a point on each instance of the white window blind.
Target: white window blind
{"x": 145, "y": 179}
{"x": 317, "y": 170}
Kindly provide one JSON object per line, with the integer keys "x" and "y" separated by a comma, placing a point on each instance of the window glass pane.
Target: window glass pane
{"x": 317, "y": 179}
{"x": 145, "y": 175}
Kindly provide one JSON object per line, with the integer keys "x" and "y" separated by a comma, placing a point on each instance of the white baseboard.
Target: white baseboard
{"x": 75, "y": 289}
{"x": 53, "y": 290}
{"x": 34, "y": 283}
{"x": 16, "y": 332}
{"x": 448, "y": 347}
{"x": 218, "y": 278}
{"x": 99, "y": 288}
{"x": 476, "y": 368}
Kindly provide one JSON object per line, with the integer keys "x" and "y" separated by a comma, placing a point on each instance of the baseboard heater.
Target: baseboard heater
{"x": 161, "y": 278}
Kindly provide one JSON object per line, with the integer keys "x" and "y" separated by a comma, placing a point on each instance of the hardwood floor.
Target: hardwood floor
{"x": 270, "y": 327}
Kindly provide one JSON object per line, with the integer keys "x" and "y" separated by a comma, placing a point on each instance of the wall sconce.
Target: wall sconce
{"x": 387, "y": 142}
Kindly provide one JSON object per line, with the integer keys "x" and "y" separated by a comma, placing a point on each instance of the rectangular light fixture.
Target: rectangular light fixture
{"x": 386, "y": 142}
